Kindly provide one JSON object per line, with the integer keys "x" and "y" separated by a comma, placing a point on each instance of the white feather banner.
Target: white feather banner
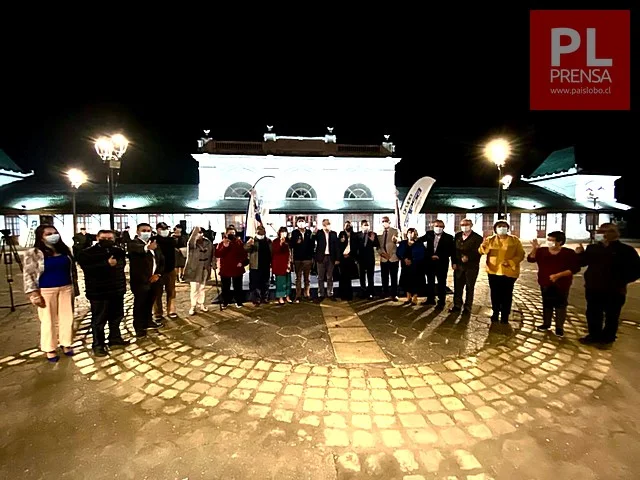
{"x": 414, "y": 200}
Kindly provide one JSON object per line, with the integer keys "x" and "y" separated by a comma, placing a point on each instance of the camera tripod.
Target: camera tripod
{"x": 8, "y": 258}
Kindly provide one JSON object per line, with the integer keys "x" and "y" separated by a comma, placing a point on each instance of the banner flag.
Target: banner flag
{"x": 414, "y": 200}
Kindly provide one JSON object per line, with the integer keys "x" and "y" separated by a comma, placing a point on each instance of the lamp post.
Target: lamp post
{"x": 111, "y": 149}
{"x": 506, "y": 183}
{"x": 77, "y": 178}
{"x": 497, "y": 151}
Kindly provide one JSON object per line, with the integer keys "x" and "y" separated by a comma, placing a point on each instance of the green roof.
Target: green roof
{"x": 560, "y": 161}
{"x": 7, "y": 164}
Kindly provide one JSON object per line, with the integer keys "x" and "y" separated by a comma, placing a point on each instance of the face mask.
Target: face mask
{"x": 466, "y": 228}
{"x": 260, "y": 237}
{"x": 231, "y": 237}
{"x": 599, "y": 237}
{"x": 365, "y": 228}
{"x": 144, "y": 236}
{"x": 283, "y": 235}
{"x": 438, "y": 230}
{"x": 502, "y": 230}
{"x": 164, "y": 233}
{"x": 302, "y": 225}
{"x": 52, "y": 239}
{"x": 551, "y": 244}
{"x": 348, "y": 228}
{"x": 327, "y": 228}
{"x": 106, "y": 243}
{"x": 385, "y": 224}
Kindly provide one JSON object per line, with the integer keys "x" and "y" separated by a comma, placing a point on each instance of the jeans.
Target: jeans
{"x": 303, "y": 267}
{"x": 501, "y": 296}
{"x": 389, "y": 269}
{"x": 106, "y": 311}
{"x": 259, "y": 284}
{"x": 166, "y": 283}
{"x": 603, "y": 306}
{"x": 227, "y": 296}
{"x": 554, "y": 300}
{"x": 464, "y": 278}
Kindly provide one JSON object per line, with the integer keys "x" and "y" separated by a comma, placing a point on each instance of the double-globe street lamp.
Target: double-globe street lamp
{"x": 497, "y": 151}
{"x": 77, "y": 178}
{"x": 111, "y": 149}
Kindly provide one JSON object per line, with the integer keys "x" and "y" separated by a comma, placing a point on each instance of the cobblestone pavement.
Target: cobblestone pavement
{"x": 257, "y": 393}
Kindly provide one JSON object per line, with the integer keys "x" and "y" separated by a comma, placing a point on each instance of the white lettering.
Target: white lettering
{"x": 557, "y": 49}
{"x": 578, "y": 75}
{"x": 592, "y": 61}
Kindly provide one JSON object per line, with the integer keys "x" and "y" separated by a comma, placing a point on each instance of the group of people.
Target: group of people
{"x": 50, "y": 276}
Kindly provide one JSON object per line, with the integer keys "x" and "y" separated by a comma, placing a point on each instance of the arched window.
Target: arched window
{"x": 302, "y": 191}
{"x": 238, "y": 190}
{"x": 358, "y": 191}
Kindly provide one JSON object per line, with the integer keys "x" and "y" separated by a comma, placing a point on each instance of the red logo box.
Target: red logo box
{"x": 580, "y": 60}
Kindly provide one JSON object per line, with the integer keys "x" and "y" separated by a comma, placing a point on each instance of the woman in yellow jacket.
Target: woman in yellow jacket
{"x": 504, "y": 253}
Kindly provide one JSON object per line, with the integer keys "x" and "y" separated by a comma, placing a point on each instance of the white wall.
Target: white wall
{"x": 577, "y": 226}
{"x": 528, "y": 230}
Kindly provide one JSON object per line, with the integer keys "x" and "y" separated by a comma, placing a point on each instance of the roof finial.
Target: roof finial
{"x": 206, "y": 132}
{"x": 330, "y": 129}
{"x": 269, "y": 127}
{"x": 386, "y": 137}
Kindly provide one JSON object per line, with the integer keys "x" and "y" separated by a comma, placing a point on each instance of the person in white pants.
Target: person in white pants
{"x": 197, "y": 271}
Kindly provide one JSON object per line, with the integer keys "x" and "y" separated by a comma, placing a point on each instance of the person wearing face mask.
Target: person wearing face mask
{"x": 302, "y": 245}
{"x": 105, "y": 284}
{"x": 259, "y": 250}
{"x": 504, "y": 254}
{"x": 197, "y": 271}
{"x": 465, "y": 263}
{"x": 281, "y": 266}
{"x": 167, "y": 245}
{"x": 556, "y": 267}
{"x": 412, "y": 255}
{"x": 347, "y": 266}
{"x": 51, "y": 282}
{"x": 611, "y": 266}
{"x": 233, "y": 260}
{"x": 439, "y": 248}
{"x": 388, "y": 258}
{"x": 367, "y": 243}
{"x": 146, "y": 265}
{"x": 326, "y": 256}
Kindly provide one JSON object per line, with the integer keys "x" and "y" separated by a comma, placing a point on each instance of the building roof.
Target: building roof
{"x": 29, "y": 196}
{"x": 7, "y": 164}
{"x": 282, "y": 145}
{"x": 560, "y": 161}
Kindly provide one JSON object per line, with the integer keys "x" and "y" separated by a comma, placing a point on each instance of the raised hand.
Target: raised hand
{"x": 535, "y": 243}
{"x": 152, "y": 245}
{"x": 580, "y": 249}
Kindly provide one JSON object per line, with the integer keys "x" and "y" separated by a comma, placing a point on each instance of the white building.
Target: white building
{"x": 315, "y": 177}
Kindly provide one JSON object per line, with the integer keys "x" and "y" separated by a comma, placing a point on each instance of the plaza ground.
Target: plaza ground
{"x": 337, "y": 390}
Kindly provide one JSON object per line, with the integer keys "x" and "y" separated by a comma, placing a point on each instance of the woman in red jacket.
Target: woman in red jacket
{"x": 233, "y": 259}
{"x": 281, "y": 266}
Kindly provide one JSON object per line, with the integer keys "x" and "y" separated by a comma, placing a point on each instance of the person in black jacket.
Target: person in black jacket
{"x": 146, "y": 265}
{"x": 327, "y": 255}
{"x": 348, "y": 255}
{"x": 105, "y": 284}
{"x": 302, "y": 244}
{"x": 465, "y": 263}
{"x": 167, "y": 282}
{"x": 611, "y": 265}
{"x": 367, "y": 243}
{"x": 439, "y": 249}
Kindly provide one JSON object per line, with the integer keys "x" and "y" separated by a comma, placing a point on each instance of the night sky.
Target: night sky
{"x": 439, "y": 88}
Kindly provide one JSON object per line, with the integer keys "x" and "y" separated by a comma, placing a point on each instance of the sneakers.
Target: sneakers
{"x": 559, "y": 332}
{"x": 543, "y": 328}
{"x": 203, "y": 307}
{"x": 238, "y": 305}
{"x": 192, "y": 311}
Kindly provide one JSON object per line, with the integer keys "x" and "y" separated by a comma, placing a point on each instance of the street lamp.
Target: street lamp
{"x": 498, "y": 151}
{"x": 77, "y": 178}
{"x": 111, "y": 149}
{"x": 506, "y": 183}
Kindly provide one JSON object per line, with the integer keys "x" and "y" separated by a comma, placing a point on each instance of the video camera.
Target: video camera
{"x": 5, "y": 232}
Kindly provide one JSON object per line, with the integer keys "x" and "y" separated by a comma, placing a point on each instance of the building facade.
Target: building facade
{"x": 317, "y": 178}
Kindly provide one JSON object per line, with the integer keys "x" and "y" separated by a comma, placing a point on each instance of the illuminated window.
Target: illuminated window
{"x": 155, "y": 219}
{"x": 541, "y": 223}
{"x": 358, "y": 191}
{"x": 238, "y": 190}
{"x": 12, "y": 223}
{"x": 302, "y": 191}
{"x": 235, "y": 219}
{"x": 120, "y": 221}
{"x": 84, "y": 221}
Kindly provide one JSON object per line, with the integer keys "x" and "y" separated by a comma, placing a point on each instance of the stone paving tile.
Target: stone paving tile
{"x": 422, "y": 415}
